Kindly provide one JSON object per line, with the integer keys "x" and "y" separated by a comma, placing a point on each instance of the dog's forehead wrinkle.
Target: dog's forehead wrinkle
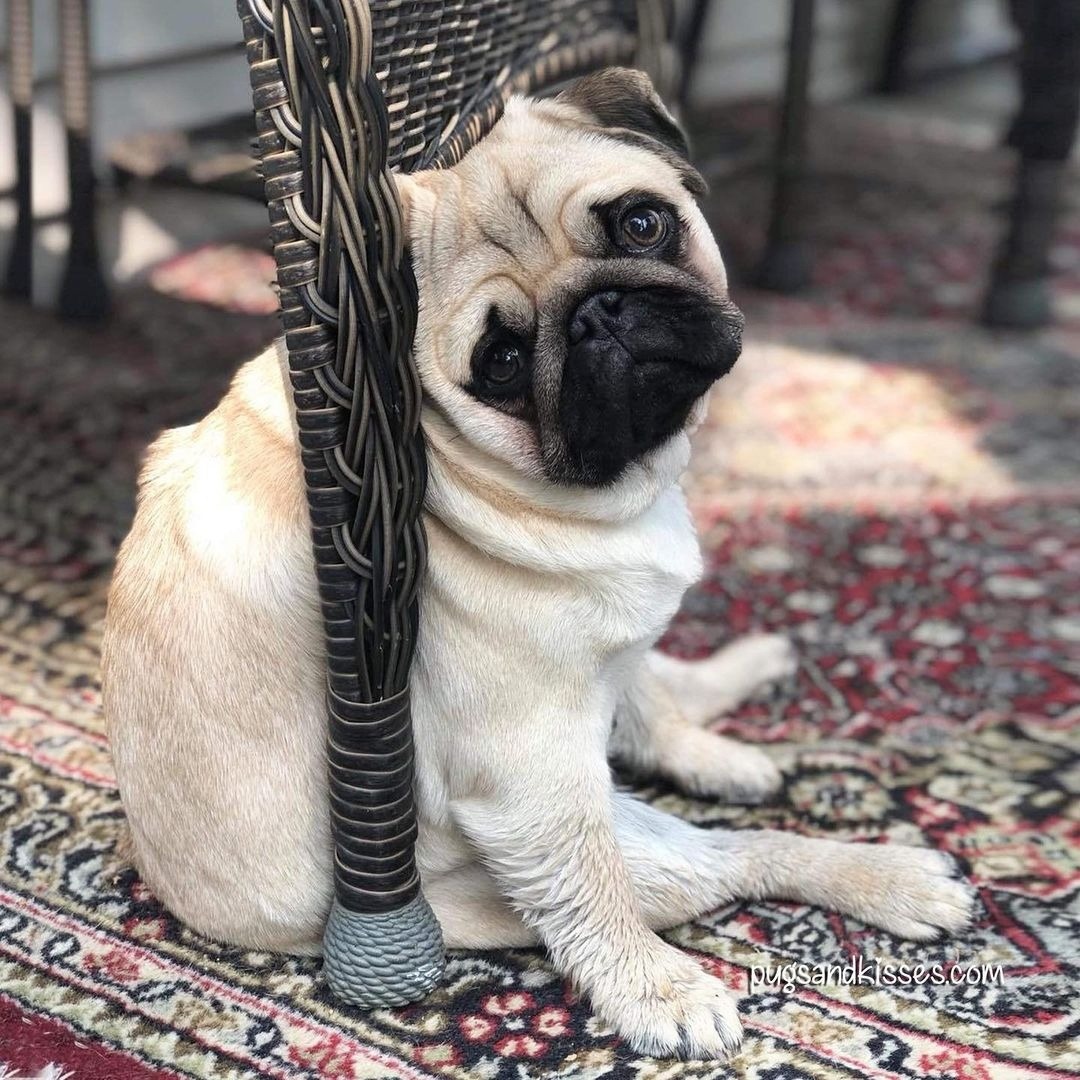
{"x": 520, "y": 321}
{"x": 489, "y": 285}
{"x": 518, "y": 194}
{"x": 561, "y": 122}
{"x": 490, "y": 233}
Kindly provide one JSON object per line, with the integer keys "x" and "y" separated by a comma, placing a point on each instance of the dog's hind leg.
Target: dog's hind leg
{"x": 472, "y": 913}
{"x": 680, "y": 872}
{"x": 706, "y": 689}
{"x": 653, "y": 734}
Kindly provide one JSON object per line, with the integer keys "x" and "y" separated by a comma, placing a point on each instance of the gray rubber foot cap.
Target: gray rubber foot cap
{"x": 380, "y": 960}
{"x": 1019, "y": 305}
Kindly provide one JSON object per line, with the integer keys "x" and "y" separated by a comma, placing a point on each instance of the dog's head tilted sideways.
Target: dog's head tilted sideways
{"x": 573, "y": 303}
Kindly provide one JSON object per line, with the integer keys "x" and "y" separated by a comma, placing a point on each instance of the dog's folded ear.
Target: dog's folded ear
{"x": 625, "y": 103}
{"x": 624, "y": 98}
{"x": 416, "y": 198}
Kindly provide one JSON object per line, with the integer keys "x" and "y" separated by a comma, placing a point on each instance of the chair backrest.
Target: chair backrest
{"x": 447, "y": 76}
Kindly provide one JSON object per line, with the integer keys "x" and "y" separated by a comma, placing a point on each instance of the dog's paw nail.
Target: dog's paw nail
{"x": 681, "y": 1012}
{"x": 684, "y": 1047}
{"x": 741, "y": 795}
{"x": 959, "y": 868}
{"x": 690, "y": 1048}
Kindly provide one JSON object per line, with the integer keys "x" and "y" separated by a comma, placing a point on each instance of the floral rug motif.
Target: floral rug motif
{"x": 899, "y": 496}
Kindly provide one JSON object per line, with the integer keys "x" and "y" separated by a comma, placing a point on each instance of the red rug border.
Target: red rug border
{"x": 29, "y": 1041}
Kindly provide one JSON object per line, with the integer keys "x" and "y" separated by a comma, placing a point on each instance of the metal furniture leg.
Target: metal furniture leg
{"x": 1044, "y": 133}
{"x": 689, "y": 46}
{"x": 893, "y": 76}
{"x": 83, "y": 289}
{"x": 786, "y": 266}
{"x": 18, "y": 278}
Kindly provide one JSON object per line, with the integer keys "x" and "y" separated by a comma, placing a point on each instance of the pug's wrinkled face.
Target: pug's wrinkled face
{"x": 573, "y": 303}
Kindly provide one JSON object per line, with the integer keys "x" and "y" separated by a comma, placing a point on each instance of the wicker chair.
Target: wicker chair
{"x": 344, "y": 90}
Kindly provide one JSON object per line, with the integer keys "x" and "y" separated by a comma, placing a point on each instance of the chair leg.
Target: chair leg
{"x": 1044, "y": 133}
{"x": 18, "y": 277}
{"x": 1019, "y": 293}
{"x": 786, "y": 264}
{"x": 84, "y": 292}
{"x": 689, "y": 44}
{"x": 893, "y": 76}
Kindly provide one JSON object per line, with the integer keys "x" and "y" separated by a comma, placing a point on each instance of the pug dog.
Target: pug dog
{"x": 574, "y": 313}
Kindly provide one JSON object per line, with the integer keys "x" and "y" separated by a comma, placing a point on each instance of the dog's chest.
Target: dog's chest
{"x": 539, "y": 637}
{"x": 632, "y": 596}
{"x": 573, "y": 595}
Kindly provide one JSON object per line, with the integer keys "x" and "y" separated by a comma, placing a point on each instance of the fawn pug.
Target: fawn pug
{"x": 573, "y": 314}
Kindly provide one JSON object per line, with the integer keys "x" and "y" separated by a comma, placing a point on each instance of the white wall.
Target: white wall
{"x": 136, "y": 30}
{"x": 743, "y": 52}
{"x": 168, "y": 96}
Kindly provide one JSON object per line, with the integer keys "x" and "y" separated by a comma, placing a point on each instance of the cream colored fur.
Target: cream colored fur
{"x": 540, "y": 609}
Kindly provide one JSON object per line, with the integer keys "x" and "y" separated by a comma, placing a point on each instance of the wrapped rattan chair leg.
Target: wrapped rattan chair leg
{"x": 377, "y": 961}
{"x": 348, "y": 307}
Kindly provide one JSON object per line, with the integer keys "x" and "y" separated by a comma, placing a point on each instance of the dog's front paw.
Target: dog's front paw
{"x": 915, "y": 893}
{"x": 664, "y": 1005}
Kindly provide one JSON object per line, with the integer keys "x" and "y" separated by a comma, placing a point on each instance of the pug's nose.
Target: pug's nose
{"x": 592, "y": 313}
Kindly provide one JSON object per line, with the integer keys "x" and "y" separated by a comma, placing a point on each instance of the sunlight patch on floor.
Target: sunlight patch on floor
{"x": 825, "y": 426}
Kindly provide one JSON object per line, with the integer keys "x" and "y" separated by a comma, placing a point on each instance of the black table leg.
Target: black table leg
{"x": 892, "y": 78}
{"x": 1044, "y": 133}
{"x": 84, "y": 292}
{"x": 785, "y": 266}
{"x": 18, "y": 278}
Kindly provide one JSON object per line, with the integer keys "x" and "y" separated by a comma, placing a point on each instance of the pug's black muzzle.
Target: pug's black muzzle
{"x": 636, "y": 362}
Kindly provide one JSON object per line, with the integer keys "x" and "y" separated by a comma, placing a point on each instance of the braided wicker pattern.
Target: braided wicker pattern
{"x": 348, "y": 305}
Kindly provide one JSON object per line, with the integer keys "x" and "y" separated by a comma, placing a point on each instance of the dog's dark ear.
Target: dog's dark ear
{"x": 625, "y": 103}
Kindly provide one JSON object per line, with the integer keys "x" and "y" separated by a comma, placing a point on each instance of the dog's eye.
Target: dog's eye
{"x": 501, "y": 366}
{"x": 642, "y": 227}
{"x": 504, "y": 363}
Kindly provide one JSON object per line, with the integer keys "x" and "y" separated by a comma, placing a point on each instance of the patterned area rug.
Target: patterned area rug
{"x": 902, "y": 498}
{"x": 905, "y": 214}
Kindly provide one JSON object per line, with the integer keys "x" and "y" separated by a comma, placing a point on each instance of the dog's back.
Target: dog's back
{"x": 212, "y": 678}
